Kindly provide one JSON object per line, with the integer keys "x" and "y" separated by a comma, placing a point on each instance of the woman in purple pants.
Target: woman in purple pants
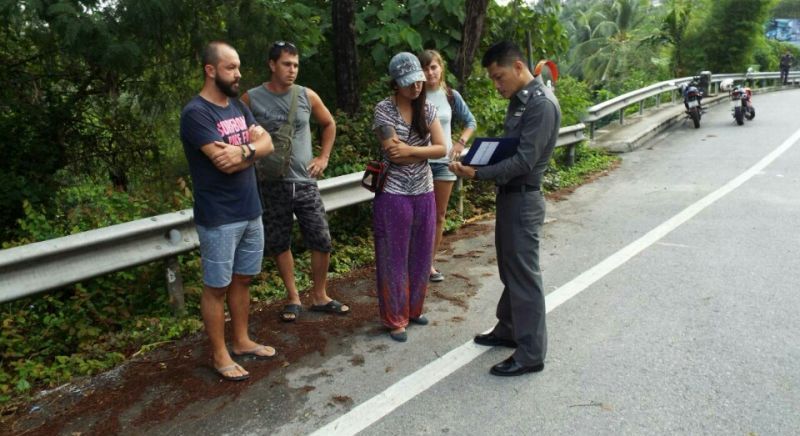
{"x": 404, "y": 213}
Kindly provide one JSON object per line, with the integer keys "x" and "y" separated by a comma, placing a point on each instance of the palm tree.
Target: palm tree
{"x": 673, "y": 30}
{"x": 607, "y": 39}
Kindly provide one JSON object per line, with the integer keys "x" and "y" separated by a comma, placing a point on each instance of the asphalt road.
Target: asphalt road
{"x": 691, "y": 329}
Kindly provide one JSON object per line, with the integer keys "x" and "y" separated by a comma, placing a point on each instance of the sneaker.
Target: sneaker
{"x": 437, "y": 277}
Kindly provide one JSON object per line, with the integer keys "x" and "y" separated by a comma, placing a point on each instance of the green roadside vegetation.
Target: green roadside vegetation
{"x": 94, "y": 91}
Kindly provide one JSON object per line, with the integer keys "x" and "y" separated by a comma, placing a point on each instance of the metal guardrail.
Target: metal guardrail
{"x": 41, "y": 266}
{"x": 617, "y": 105}
{"x": 609, "y": 107}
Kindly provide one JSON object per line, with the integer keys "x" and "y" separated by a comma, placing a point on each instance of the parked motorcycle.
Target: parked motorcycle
{"x": 741, "y": 101}
{"x": 692, "y": 100}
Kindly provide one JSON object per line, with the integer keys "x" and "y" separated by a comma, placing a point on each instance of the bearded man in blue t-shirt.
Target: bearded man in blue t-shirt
{"x": 222, "y": 140}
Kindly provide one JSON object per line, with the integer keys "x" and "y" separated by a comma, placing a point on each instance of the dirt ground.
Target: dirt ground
{"x": 116, "y": 401}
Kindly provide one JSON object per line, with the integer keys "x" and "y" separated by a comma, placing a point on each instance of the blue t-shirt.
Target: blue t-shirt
{"x": 219, "y": 198}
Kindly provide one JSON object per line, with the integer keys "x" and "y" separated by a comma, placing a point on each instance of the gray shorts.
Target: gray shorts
{"x": 235, "y": 248}
{"x": 281, "y": 201}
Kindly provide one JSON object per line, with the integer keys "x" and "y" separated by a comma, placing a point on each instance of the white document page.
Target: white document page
{"x": 484, "y": 153}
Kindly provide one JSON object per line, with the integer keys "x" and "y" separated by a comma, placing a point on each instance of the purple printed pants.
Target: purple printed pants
{"x": 404, "y": 227}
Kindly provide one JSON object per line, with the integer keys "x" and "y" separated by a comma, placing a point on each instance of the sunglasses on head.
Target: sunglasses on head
{"x": 283, "y": 44}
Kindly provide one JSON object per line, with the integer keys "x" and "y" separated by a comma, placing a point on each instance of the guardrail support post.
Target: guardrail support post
{"x": 175, "y": 286}
{"x": 460, "y": 189}
{"x": 591, "y": 130}
{"x": 658, "y": 101}
{"x": 622, "y": 116}
{"x": 641, "y": 107}
{"x": 571, "y": 155}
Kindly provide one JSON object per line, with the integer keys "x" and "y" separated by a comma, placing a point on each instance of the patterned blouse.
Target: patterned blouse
{"x": 411, "y": 179}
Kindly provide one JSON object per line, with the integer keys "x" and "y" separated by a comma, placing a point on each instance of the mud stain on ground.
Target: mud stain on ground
{"x": 342, "y": 400}
{"x": 462, "y": 277}
{"x": 357, "y": 360}
{"x": 457, "y": 300}
{"x": 474, "y": 254}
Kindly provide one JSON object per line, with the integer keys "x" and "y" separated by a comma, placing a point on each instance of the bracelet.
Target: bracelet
{"x": 244, "y": 153}
{"x": 461, "y": 141}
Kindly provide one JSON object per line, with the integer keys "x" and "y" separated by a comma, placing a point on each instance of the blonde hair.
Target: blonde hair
{"x": 429, "y": 56}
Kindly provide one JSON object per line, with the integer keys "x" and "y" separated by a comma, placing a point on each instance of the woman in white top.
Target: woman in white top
{"x": 449, "y": 106}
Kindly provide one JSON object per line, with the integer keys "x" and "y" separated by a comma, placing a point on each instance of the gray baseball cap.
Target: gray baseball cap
{"x": 405, "y": 69}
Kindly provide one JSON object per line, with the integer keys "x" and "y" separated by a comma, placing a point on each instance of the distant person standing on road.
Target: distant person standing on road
{"x": 221, "y": 141}
{"x": 533, "y": 116}
{"x": 288, "y": 178}
{"x": 450, "y": 106}
{"x": 404, "y": 213}
{"x": 786, "y": 64}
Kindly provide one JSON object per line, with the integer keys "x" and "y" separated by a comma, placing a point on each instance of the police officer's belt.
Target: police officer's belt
{"x": 505, "y": 189}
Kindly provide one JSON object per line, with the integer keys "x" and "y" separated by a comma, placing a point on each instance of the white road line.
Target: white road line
{"x": 670, "y": 244}
{"x": 372, "y": 410}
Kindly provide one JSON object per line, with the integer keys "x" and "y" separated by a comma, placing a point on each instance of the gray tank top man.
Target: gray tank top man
{"x": 271, "y": 110}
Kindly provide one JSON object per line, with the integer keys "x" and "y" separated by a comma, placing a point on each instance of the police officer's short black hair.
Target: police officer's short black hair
{"x": 503, "y": 53}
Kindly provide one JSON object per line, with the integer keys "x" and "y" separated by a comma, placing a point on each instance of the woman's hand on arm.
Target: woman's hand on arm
{"x": 437, "y": 148}
{"x": 396, "y": 150}
{"x": 405, "y": 153}
{"x": 401, "y": 153}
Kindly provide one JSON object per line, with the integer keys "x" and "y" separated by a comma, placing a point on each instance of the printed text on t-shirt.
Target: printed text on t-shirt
{"x": 234, "y": 130}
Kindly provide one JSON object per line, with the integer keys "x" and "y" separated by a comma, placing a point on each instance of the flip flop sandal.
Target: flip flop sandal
{"x": 224, "y": 369}
{"x": 291, "y": 312}
{"x": 253, "y": 353}
{"x": 333, "y": 307}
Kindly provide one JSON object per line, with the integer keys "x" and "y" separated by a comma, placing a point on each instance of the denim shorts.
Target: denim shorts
{"x": 235, "y": 248}
{"x": 442, "y": 173}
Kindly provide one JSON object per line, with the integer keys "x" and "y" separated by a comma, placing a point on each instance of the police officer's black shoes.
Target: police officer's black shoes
{"x": 510, "y": 368}
{"x": 492, "y": 340}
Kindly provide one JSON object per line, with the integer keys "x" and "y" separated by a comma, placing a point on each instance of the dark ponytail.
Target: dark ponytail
{"x": 418, "y": 115}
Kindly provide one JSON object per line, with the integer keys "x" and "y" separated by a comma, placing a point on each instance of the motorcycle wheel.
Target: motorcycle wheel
{"x": 750, "y": 113}
{"x": 738, "y": 114}
{"x": 694, "y": 114}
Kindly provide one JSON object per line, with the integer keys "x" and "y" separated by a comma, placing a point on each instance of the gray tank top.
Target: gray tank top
{"x": 271, "y": 111}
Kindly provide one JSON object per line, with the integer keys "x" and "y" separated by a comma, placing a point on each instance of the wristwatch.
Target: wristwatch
{"x": 252, "y": 149}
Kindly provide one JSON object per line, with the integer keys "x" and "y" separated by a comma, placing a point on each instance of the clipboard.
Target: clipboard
{"x": 489, "y": 151}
